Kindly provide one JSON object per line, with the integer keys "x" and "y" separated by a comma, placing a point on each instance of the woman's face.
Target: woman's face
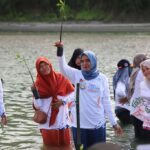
{"x": 78, "y": 61}
{"x": 85, "y": 63}
{"x": 44, "y": 68}
{"x": 146, "y": 72}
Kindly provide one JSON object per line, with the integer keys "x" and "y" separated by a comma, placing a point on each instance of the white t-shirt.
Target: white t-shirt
{"x": 2, "y": 108}
{"x": 63, "y": 119}
{"x": 94, "y": 98}
{"x": 120, "y": 92}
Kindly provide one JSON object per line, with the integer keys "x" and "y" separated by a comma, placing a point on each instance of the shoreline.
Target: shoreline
{"x": 74, "y": 27}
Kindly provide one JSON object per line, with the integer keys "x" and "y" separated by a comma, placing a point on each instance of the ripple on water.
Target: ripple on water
{"x": 21, "y": 132}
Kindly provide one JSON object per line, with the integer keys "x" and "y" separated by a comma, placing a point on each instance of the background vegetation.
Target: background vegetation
{"x": 77, "y": 10}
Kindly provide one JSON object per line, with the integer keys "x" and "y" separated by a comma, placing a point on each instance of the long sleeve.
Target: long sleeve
{"x": 68, "y": 98}
{"x": 2, "y": 108}
{"x": 66, "y": 70}
{"x": 62, "y": 119}
{"x": 107, "y": 104}
{"x": 120, "y": 91}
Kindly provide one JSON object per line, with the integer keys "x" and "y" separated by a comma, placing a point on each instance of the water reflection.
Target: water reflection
{"x": 21, "y": 132}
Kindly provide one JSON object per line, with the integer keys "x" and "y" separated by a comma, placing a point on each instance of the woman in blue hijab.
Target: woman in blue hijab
{"x": 94, "y": 99}
{"x": 120, "y": 87}
{"x": 89, "y": 65}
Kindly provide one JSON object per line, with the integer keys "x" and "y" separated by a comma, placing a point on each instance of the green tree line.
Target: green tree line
{"x": 105, "y": 10}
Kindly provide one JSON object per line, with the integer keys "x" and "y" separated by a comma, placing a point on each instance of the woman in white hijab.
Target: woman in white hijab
{"x": 140, "y": 107}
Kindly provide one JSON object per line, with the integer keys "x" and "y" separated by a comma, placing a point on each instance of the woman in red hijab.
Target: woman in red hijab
{"x": 55, "y": 91}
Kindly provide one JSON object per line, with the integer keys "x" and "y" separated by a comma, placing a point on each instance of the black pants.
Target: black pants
{"x": 123, "y": 115}
{"x": 138, "y": 129}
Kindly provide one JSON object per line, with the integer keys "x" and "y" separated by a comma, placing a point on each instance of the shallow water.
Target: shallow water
{"x": 21, "y": 132}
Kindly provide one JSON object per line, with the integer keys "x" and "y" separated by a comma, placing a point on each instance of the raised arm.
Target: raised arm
{"x": 65, "y": 69}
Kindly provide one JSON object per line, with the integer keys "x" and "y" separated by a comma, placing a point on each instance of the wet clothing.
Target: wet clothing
{"x": 56, "y": 137}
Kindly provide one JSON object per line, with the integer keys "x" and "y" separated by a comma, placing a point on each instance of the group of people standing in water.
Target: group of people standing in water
{"x": 56, "y": 98}
{"x": 132, "y": 94}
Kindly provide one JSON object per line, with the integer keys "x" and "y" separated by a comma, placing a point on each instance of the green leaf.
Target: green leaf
{"x": 58, "y": 5}
{"x": 61, "y": 2}
{"x": 18, "y": 56}
{"x": 81, "y": 147}
{"x": 61, "y": 6}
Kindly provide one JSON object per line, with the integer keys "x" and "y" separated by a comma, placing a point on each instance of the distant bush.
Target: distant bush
{"x": 105, "y": 10}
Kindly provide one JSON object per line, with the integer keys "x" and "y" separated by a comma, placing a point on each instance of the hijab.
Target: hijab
{"x": 93, "y": 72}
{"x": 145, "y": 63}
{"x": 51, "y": 85}
{"x": 136, "y": 63}
{"x": 122, "y": 74}
{"x": 72, "y": 63}
{"x": 138, "y": 59}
